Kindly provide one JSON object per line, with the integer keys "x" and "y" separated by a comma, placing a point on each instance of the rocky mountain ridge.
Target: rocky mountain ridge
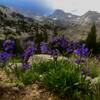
{"x": 21, "y": 26}
{"x": 77, "y": 24}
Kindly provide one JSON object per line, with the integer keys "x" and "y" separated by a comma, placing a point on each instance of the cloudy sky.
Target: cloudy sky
{"x": 78, "y": 7}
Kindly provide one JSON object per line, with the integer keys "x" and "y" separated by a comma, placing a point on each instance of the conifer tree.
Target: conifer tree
{"x": 91, "y": 39}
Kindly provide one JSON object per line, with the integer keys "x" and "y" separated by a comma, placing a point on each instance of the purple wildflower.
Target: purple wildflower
{"x": 8, "y": 45}
{"x": 55, "y": 39}
{"x": 69, "y": 50}
{"x": 82, "y": 51}
{"x": 25, "y": 66}
{"x": 43, "y": 47}
{"x": 30, "y": 50}
{"x": 54, "y": 53}
{"x": 64, "y": 42}
{"x": 3, "y": 57}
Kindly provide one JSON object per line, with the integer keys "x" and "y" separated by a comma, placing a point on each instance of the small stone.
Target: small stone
{"x": 16, "y": 89}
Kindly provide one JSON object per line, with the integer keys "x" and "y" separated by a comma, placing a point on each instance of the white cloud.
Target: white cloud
{"x": 75, "y": 6}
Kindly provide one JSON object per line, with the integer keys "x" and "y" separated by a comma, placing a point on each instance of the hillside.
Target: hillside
{"x": 16, "y": 24}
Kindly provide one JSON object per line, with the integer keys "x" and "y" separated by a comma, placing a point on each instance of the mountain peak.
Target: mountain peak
{"x": 61, "y": 15}
{"x": 59, "y": 11}
{"x": 92, "y": 13}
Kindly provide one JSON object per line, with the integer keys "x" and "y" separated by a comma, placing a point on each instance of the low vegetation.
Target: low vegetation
{"x": 76, "y": 77}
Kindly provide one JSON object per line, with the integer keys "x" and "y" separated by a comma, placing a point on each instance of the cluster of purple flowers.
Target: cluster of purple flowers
{"x": 82, "y": 51}
{"x": 8, "y": 45}
{"x": 64, "y": 42}
{"x": 43, "y": 47}
{"x": 54, "y": 53}
{"x": 58, "y": 45}
{"x": 64, "y": 45}
{"x": 71, "y": 47}
{"x": 30, "y": 49}
{"x": 53, "y": 47}
{"x": 3, "y": 57}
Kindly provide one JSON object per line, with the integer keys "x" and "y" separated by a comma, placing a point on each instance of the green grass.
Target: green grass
{"x": 15, "y": 60}
{"x": 62, "y": 77}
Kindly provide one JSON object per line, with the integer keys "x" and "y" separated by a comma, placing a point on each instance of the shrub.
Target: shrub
{"x": 62, "y": 77}
{"x": 18, "y": 49}
{"x": 29, "y": 77}
{"x": 91, "y": 39}
{"x": 94, "y": 71}
{"x": 97, "y": 51}
{"x": 67, "y": 81}
{"x": 97, "y": 89}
